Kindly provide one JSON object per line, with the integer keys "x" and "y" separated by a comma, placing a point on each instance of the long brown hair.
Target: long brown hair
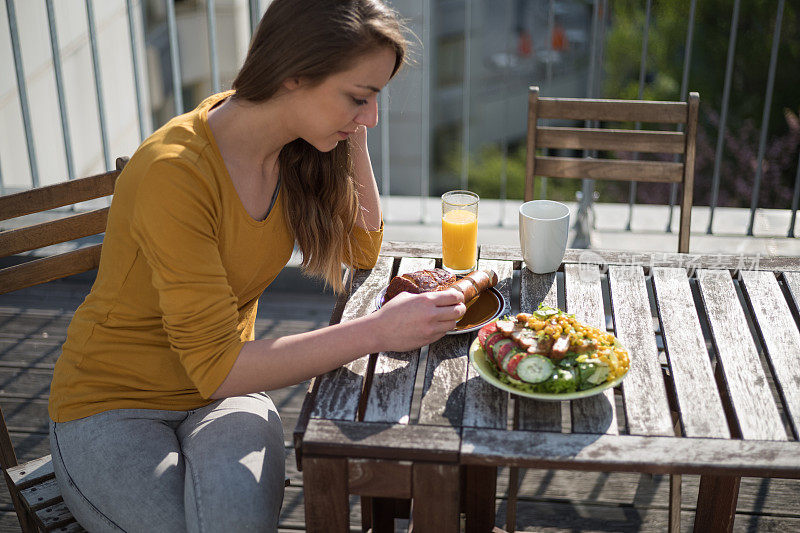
{"x": 313, "y": 39}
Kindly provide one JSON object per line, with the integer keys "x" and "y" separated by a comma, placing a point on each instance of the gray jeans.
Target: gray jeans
{"x": 217, "y": 468}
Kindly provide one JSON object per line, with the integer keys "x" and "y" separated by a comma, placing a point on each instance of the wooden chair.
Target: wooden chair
{"x": 32, "y": 484}
{"x": 619, "y": 140}
{"x": 615, "y": 140}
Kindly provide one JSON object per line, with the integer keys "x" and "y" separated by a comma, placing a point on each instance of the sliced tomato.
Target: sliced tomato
{"x": 499, "y": 349}
{"x": 485, "y": 331}
{"x": 502, "y": 353}
{"x": 513, "y": 362}
{"x": 492, "y": 340}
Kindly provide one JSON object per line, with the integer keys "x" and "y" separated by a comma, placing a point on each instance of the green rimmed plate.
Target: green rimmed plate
{"x": 487, "y": 371}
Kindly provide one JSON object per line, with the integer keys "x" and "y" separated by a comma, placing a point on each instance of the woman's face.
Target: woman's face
{"x": 331, "y": 111}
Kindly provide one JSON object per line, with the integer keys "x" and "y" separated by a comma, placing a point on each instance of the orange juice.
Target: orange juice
{"x": 459, "y": 239}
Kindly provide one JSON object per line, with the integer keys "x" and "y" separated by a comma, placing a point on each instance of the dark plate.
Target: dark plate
{"x": 485, "y": 308}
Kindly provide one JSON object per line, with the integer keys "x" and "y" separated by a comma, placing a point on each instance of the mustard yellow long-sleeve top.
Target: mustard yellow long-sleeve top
{"x": 181, "y": 270}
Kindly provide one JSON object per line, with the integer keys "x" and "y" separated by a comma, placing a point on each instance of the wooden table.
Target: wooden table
{"x": 713, "y": 389}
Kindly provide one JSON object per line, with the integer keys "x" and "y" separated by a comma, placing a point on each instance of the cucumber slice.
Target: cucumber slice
{"x": 535, "y": 369}
{"x": 599, "y": 376}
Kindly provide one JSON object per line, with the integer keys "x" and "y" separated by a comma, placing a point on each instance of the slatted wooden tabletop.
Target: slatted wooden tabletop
{"x": 713, "y": 342}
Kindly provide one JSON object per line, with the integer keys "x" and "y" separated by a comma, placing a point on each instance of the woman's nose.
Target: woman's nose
{"x": 369, "y": 114}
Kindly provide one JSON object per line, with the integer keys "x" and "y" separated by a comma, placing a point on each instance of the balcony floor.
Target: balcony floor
{"x": 33, "y": 327}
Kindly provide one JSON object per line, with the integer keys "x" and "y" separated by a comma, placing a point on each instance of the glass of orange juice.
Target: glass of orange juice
{"x": 460, "y": 231}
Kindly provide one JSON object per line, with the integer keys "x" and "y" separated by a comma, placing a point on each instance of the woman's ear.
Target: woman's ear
{"x": 292, "y": 83}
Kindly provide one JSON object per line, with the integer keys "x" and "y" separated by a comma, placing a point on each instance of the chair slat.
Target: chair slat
{"x": 484, "y": 404}
{"x": 42, "y": 495}
{"x": 72, "y": 527}
{"x": 54, "y": 516}
{"x": 753, "y": 404}
{"x": 687, "y": 193}
{"x": 668, "y": 142}
{"x": 49, "y": 268}
{"x": 32, "y": 472}
{"x": 701, "y": 408}
{"x": 58, "y": 195}
{"x": 535, "y": 415}
{"x": 780, "y": 335}
{"x": 596, "y": 414}
{"x": 393, "y": 380}
{"x": 339, "y": 391}
{"x": 530, "y": 142}
{"x": 47, "y": 233}
{"x": 609, "y": 169}
{"x": 613, "y": 110}
{"x": 646, "y": 403}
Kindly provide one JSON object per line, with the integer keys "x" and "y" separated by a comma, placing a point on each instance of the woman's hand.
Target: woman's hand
{"x": 406, "y": 322}
{"x": 409, "y": 321}
{"x": 368, "y": 198}
{"x": 360, "y": 137}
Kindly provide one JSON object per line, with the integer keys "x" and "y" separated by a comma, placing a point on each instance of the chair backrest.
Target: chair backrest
{"x": 61, "y": 230}
{"x": 45, "y": 226}
{"x": 625, "y": 139}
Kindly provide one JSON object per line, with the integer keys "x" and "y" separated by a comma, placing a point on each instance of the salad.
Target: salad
{"x": 549, "y": 351}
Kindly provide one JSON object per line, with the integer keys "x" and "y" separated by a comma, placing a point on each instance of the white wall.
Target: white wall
{"x": 233, "y": 39}
{"x": 118, "y": 91}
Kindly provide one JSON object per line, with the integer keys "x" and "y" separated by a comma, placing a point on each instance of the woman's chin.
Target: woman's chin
{"x": 325, "y": 147}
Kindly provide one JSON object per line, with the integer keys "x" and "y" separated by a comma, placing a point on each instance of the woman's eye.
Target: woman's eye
{"x": 359, "y": 101}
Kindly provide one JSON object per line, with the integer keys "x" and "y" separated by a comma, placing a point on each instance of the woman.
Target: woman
{"x": 158, "y": 422}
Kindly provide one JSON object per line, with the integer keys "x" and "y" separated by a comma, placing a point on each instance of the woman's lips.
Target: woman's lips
{"x": 345, "y": 134}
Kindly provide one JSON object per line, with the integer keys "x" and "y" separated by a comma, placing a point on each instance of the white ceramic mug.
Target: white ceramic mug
{"x": 543, "y": 228}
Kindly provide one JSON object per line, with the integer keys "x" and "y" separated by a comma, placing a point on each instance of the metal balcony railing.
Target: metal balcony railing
{"x": 424, "y": 14}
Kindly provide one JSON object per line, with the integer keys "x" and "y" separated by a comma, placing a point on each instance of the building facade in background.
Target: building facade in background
{"x": 464, "y": 88}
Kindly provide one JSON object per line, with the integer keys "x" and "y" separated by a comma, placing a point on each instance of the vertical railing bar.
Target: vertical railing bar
{"x": 582, "y": 238}
{"x": 602, "y": 55}
{"x": 425, "y": 138}
{"x": 551, "y": 22}
{"x": 726, "y": 93}
{"x": 795, "y": 198}
{"x": 174, "y": 57}
{"x": 687, "y": 59}
{"x": 638, "y": 125}
{"x": 135, "y": 61}
{"x": 254, "y": 12}
{"x": 386, "y": 177}
{"x": 62, "y": 107}
{"x": 593, "y": 48}
{"x": 465, "y": 107}
{"x": 762, "y": 141}
{"x": 98, "y": 83}
{"x": 601, "y": 51}
{"x": 503, "y": 137}
{"x": 551, "y": 16}
{"x": 211, "y": 20}
{"x": 590, "y": 191}
{"x": 23, "y": 91}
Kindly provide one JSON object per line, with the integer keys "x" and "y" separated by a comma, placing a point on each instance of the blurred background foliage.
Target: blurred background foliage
{"x": 664, "y": 71}
{"x": 666, "y": 46}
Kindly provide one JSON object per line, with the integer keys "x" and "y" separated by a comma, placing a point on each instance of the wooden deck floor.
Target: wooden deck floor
{"x": 33, "y": 324}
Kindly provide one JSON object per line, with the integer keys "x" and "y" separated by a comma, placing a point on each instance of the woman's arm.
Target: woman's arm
{"x": 364, "y": 178}
{"x": 405, "y": 323}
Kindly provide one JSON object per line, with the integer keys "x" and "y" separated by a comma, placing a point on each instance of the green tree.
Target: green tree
{"x": 666, "y": 45}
